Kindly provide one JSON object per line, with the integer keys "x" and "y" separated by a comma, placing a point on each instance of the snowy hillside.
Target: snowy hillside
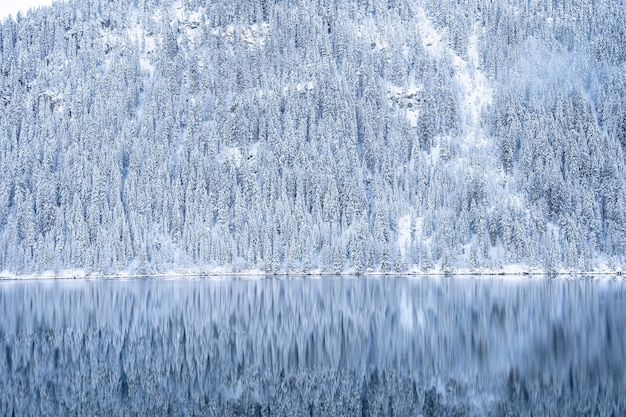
{"x": 160, "y": 136}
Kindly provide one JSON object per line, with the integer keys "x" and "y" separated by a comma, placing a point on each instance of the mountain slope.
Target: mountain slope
{"x": 326, "y": 136}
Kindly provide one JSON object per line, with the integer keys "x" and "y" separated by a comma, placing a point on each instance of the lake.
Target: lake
{"x": 387, "y": 346}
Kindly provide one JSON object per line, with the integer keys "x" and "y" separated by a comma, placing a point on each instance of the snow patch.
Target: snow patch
{"x": 232, "y": 154}
{"x": 305, "y": 87}
{"x": 235, "y": 154}
{"x": 146, "y": 66}
{"x": 432, "y": 40}
{"x": 407, "y": 99}
{"x": 253, "y": 151}
{"x": 475, "y": 92}
{"x": 189, "y": 21}
{"x": 404, "y": 234}
{"x": 368, "y": 32}
{"x": 253, "y": 36}
{"x": 54, "y": 98}
{"x": 178, "y": 9}
{"x": 147, "y": 46}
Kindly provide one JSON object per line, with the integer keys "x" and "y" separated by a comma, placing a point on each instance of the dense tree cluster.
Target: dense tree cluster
{"x": 291, "y": 136}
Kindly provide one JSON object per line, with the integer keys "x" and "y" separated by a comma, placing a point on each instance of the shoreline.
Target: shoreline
{"x": 303, "y": 275}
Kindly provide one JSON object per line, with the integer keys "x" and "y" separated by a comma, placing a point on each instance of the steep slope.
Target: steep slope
{"x": 191, "y": 136}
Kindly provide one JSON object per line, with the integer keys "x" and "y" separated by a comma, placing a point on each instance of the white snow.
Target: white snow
{"x": 432, "y": 40}
{"x": 404, "y": 234}
{"x": 476, "y": 93}
{"x": 253, "y": 151}
{"x": 147, "y": 45}
{"x": 232, "y": 154}
{"x": 235, "y": 154}
{"x": 368, "y": 32}
{"x": 255, "y": 35}
{"x": 405, "y": 98}
{"x": 304, "y": 87}
{"x": 178, "y": 10}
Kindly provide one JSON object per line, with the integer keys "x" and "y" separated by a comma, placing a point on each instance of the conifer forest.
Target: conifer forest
{"x": 318, "y": 136}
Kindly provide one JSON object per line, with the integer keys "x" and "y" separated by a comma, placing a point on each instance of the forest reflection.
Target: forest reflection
{"x": 325, "y": 346}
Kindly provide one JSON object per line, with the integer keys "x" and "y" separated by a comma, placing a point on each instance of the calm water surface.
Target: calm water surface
{"x": 302, "y": 347}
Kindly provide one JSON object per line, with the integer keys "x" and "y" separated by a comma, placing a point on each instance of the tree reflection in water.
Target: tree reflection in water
{"x": 330, "y": 346}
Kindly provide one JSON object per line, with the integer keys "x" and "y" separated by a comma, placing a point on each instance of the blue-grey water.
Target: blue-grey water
{"x": 313, "y": 347}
